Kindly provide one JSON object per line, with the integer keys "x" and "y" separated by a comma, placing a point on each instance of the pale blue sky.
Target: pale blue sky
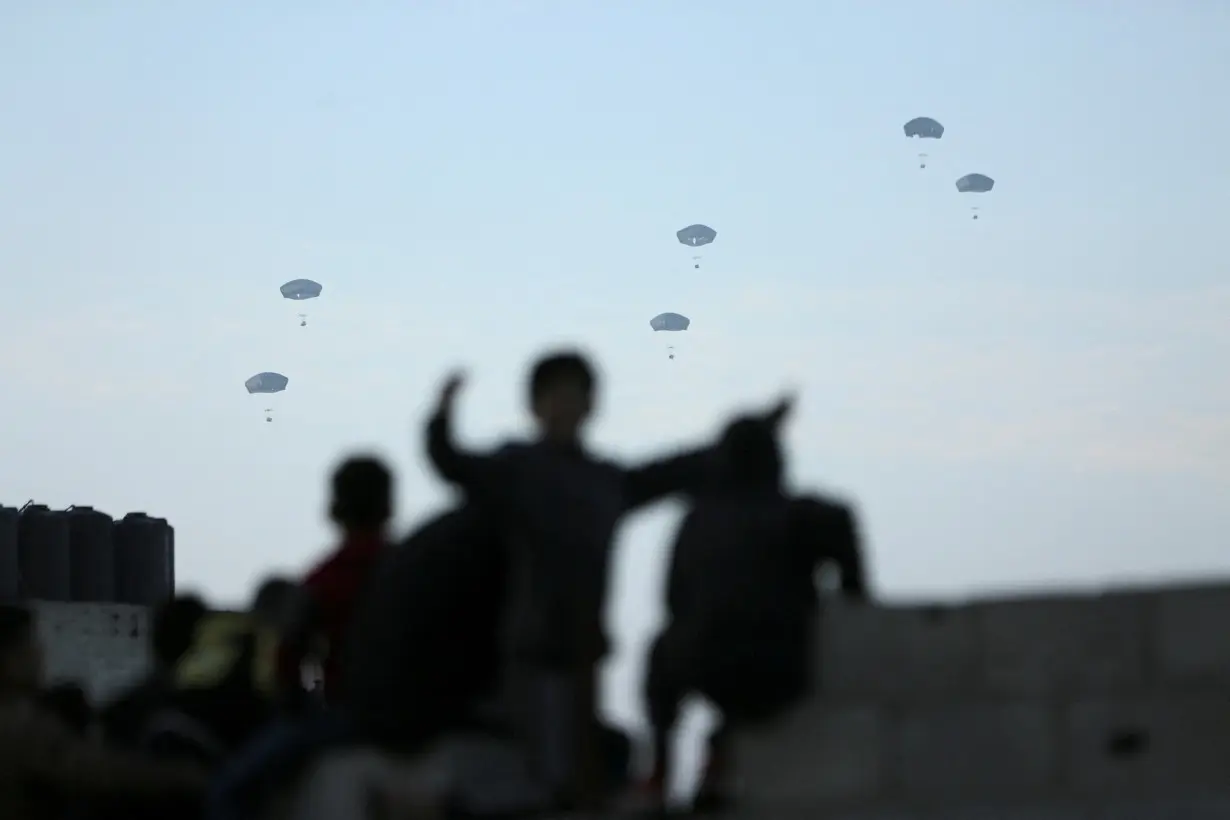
{"x": 1036, "y": 398}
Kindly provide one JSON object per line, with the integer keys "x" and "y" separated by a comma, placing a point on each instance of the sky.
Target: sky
{"x": 1032, "y": 400}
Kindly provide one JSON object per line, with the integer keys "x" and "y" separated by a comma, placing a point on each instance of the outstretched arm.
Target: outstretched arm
{"x": 847, "y": 552}
{"x": 828, "y": 532}
{"x": 476, "y": 473}
{"x": 479, "y": 474}
{"x": 686, "y": 472}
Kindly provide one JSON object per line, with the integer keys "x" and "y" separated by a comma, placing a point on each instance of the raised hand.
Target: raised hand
{"x": 448, "y": 392}
{"x": 782, "y": 410}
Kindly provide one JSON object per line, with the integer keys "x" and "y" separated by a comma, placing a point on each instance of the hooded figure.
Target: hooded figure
{"x": 742, "y": 601}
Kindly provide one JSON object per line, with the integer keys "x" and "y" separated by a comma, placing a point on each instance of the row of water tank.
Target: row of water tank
{"x": 83, "y": 555}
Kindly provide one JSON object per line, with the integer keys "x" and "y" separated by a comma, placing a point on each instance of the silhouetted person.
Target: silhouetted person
{"x": 208, "y": 697}
{"x": 41, "y": 758}
{"x": 424, "y": 649}
{"x": 212, "y": 687}
{"x": 361, "y": 507}
{"x": 276, "y": 601}
{"x": 742, "y": 602}
{"x": 148, "y": 718}
{"x": 559, "y": 506}
{"x": 287, "y": 609}
{"x": 172, "y": 626}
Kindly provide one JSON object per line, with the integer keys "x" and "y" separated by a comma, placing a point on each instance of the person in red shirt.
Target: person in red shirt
{"x": 361, "y": 506}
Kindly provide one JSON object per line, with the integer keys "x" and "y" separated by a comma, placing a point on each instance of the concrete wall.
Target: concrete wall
{"x": 1099, "y": 707}
{"x": 103, "y": 646}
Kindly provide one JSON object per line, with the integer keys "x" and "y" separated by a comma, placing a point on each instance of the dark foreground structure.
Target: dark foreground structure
{"x": 94, "y": 580}
{"x": 83, "y": 555}
{"x": 1085, "y": 707}
{"x": 1061, "y": 707}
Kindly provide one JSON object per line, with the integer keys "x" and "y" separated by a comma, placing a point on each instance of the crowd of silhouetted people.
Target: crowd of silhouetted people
{"x": 452, "y": 673}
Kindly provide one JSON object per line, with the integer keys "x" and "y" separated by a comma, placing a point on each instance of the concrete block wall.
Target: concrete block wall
{"x": 1083, "y": 707}
{"x": 101, "y": 646}
{"x": 1099, "y": 707}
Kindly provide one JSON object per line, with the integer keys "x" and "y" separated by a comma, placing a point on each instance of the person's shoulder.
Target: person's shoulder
{"x": 337, "y": 556}
{"x": 320, "y": 571}
{"x": 815, "y": 498}
{"x": 514, "y": 448}
{"x": 516, "y": 454}
{"x": 597, "y": 460}
{"x": 822, "y": 506}
{"x": 540, "y": 451}
{"x": 603, "y": 463}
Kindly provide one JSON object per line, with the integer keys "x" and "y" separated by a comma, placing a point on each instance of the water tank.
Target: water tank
{"x": 44, "y": 554}
{"x": 170, "y": 561}
{"x": 142, "y": 560}
{"x": 92, "y": 554}
{"x": 10, "y": 564}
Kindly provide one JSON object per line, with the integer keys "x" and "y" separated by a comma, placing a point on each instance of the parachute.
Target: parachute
{"x": 299, "y": 289}
{"x": 923, "y": 128}
{"x": 267, "y": 383}
{"x": 671, "y": 323}
{"x": 694, "y": 236}
{"x": 975, "y": 184}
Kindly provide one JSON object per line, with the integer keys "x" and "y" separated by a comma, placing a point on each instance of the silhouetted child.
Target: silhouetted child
{"x": 362, "y": 507}
{"x": 318, "y": 613}
{"x": 559, "y": 506}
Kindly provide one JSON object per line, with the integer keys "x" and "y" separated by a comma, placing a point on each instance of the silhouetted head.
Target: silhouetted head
{"x": 174, "y": 628}
{"x": 21, "y": 653}
{"x": 561, "y": 393}
{"x": 751, "y": 455}
{"x": 69, "y": 703}
{"x": 277, "y": 601}
{"x": 362, "y": 495}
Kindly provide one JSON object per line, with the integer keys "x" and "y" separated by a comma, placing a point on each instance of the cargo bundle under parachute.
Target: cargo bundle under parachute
{"x": 298, "y": 290}
{"x": 670, "y": 323}
{"x": 696, "y": 236}
{"x": 923, "y": 128}
{"x": 266, "y": 384}
{"x": 975, "y": 184}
